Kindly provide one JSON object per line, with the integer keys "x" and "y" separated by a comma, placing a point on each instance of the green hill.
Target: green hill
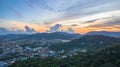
{"x": 87, "y": 42}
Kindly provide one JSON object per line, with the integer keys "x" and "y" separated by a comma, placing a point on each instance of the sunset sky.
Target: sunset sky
{"x": 82, "y": 16}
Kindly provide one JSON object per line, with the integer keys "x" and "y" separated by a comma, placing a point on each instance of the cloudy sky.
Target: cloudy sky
{"x": 82, "y": 16}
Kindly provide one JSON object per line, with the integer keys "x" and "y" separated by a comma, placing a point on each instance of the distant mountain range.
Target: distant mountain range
{"x": 113, "y": 34}
{"x": 55, "y": 35}
{"x": 67, "y": 35}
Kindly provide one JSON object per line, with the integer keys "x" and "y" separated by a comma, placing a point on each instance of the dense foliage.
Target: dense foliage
{"x": 87, "y": 42}
{"x": 107, "y": 57}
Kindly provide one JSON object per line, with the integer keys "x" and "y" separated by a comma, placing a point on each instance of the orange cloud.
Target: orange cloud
{"x": 9, "y": 24}
{"x": 88, "y": 29}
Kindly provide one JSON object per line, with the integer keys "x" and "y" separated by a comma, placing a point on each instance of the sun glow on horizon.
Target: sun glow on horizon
{"x": 43, "y": 16}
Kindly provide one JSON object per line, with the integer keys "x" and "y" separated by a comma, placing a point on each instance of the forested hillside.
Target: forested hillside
{"x": 87, "y": 42}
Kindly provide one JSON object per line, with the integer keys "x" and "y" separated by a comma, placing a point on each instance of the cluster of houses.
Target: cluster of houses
{"x": 12, "y": 52}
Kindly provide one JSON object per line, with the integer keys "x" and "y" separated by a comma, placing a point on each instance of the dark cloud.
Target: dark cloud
{"x": 4, "y": 31}
{"x": 74, "y": 25}
{"x": 92, "y": 21}
{"x": 108, "y": 23}
{"x": 29, "y": 30}
{"x": 70, "y": 30}
{"x": 55, "y": 28}
{"x": 113, "y": 22}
